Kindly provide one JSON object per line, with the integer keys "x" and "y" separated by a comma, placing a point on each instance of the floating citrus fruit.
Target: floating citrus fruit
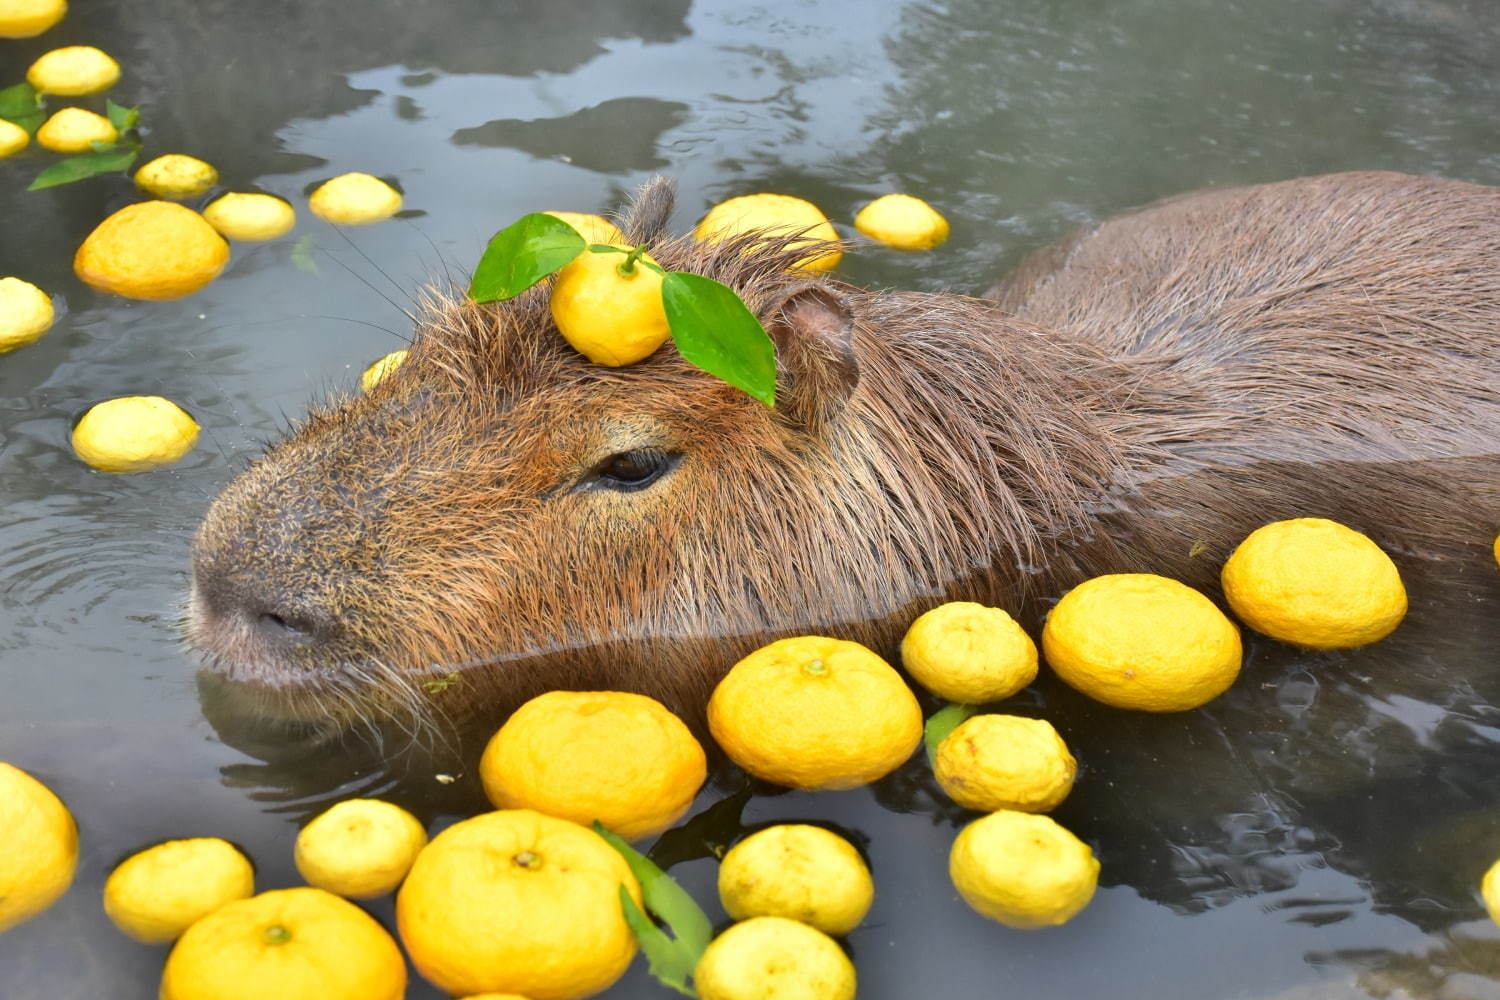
{"x": 376, "y": 373}
{"x": 772, "y": 958}
{"x": 354, "y": 199}
{"x": 779, "y": 215}
{"x": 38, "y": 847}
{"x": 158, "y": 893}
{"x": 593, "y": 228}
{"x": 1005, "y": 762}
{"x": 1023, "y": 870}
{"x": 903, "y": 222}
{"x": 814, "y": 712}
{"x": 361, "y": 848}
{"x": 133, "y": 434}
{"x": 151, "y": 250}
{"x": 29, "y": 18}
{"x": 73, "y": 71}
{"x": 13, "y": 138}
{"x": 74, "y": 130}
{"x": 1489, "y": 888}
{"x": 968, "y": 653}
{"x": 1134, "y": 640}
{"x": 291, "y": 944}
{"x": 610, "y": 316}
{"x": 250, "y": 216}
{"x": 25, "y": 313}
{"x": 799, "y": 872}
{"x": 611, "y": 756}
{"x": 1315, "y": 583}
{"x": 521, "y": 902}
{"x": 177, "y": 176}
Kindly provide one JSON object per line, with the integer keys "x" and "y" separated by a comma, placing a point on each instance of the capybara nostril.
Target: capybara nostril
{"x": 285, "y": 628}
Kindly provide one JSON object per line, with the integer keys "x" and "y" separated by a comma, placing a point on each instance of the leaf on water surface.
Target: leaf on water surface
{"x": 22, "y": 105}
{"x": 941, "y": 723}
{"x": 122, "y": 118}
{"x": 665, "y": 959}
{"x": 85, "y": 165}
{"x": 302, "y": 255}
{"x": 523, "y": 253}
{"x": 664, "y": 897}
{"x": 716, "y": 331}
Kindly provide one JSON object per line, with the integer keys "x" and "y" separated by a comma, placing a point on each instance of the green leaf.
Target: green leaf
{"x": 29, "y": 122}
{"x": 20, "y": 101}
{"x": 85, "y": 165}
{"x": 717, "y": 332}
{"x": 122, "y": 118}
{"x": 665, "y": 898}
{"x": 941, "y": 723}
{"x": 666, "y": 959}
{"x": 302, "y": 255}
{"x": 523, "y": 253}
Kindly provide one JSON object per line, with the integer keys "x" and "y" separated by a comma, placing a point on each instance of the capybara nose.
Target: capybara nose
{"x": 254, "y": 611}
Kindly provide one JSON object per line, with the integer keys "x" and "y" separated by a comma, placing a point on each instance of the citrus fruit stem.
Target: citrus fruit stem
{"x": 815, "y": 668}
{"x": 277, "y": 934}
{"x": 529, "y": 860}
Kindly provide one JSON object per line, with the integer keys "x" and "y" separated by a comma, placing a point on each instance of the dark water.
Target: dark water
{"x": 1238, "y": 862}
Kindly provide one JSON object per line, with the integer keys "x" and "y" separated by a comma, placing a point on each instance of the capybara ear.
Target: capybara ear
{"x": 815, "y": 367}
{"x": 650, "y": 210}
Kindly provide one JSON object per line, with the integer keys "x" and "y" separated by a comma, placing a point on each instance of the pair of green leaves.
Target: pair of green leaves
{"x": 23, "y": 106}
{"x": 671, "y": 959}
{"x": 711, "y": 325}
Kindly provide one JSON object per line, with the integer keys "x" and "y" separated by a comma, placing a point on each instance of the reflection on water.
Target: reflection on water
{"x": 1317, "y": 832}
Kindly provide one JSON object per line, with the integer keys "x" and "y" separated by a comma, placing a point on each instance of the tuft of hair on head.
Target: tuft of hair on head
{"x": 650, "y": 210}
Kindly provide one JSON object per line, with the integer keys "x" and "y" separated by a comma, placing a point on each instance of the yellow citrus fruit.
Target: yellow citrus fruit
{"x": 354, "y": 199}
{"x": 994, "y": 762}
{"x": 250, "y": 216}
{"x": 1489, "y": 888}
{"x": 25, "y": 313}
{"x": 73, "y": 71}
{"x": 610, "y": 317}
{"x": 1022, "y": 869}
{"x": 611, "y": 756}
{"x": 134, "y": 433}
{"x": 158, "y": 893}
{"x": 903, "y": 222}
{"x": 772, "y": 958}
{"x": 361, "y": 848}
{"x": 151, "y": 250}
{"x": 13, "y": 138}
{"x": 291, "y": 944}
{"x": 494, "y": 996}
{"x": 799, "y": 872}
{"x": 38, "y": 847}
{"x": 28, "y": 18}
{"x": 373, "y": 375}
{"x": 73, "y": 130}
{"x": 1315, "y": 583}
{"x": 778, "y": 215}
{"x": 521, "y": 902}
{"x": 813, "y": 712}
{"x": 1134, "y": 640}
{"x": 968, "y": 653}
{"x": 594, "y": 228}
{"x": 1497, "y": 550}
{"x": 176, "y": 175}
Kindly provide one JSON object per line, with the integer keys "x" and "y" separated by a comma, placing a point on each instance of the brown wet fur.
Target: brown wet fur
{"x": 1142, "y": 397}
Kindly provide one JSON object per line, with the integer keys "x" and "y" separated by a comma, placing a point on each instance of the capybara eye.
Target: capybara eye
{"x": 630, "y": 470}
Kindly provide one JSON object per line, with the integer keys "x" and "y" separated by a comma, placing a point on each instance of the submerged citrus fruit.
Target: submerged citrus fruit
{"x": 1022, "y": 869}
{"x": 593, "y": 228}
{"x": 73, "y": 71}
{"x": 903, "y": 222}
{"x": 158, "y": 893}
{"x": 515, "y": 901}
{"x": 968, "y": 653}
{"x": 1315, "y": 583}
{"x": 1135, "y": 640}
{"x": 28, "y": 18}
{"x": 250, "y": 216}
{"x": 814, "y": 712}
{"x": 994, "y": 762}
{"x": 799, "y": 872}
{"x": 291, "y": 944}
{"x": 778, "y": 215}
{"x": 134, "y": 433}
{"x": 74, "y": 130}
{"x": 361, "y": 848}
{"x": 176, "y": 175}
{"x": 376, "y": 373}
{"x": 151, "y": 250}
{"x": 13, "y": 138}
{"x": 772, "y": 958}
{"x": 610, "y": 317}
{"x": 38, "y": 847}
{"x": 1489, "y": 888}
{"x": 611, "y": 756}
{"x": 25, "y": 313}
{"x": 354, "y": 199}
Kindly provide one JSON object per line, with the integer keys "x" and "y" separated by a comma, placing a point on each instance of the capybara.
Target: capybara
{"x": 501, "y": 517}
